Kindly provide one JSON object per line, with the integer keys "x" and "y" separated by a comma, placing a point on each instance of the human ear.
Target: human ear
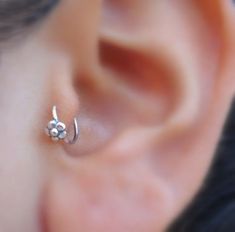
{"x": 156, "y": 93}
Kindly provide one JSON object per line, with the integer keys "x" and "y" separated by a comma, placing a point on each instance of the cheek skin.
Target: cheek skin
{"x": 21, "y": 164}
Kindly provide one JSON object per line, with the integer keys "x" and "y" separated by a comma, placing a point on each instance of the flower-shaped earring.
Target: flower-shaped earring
{"x": 57, "y": 130}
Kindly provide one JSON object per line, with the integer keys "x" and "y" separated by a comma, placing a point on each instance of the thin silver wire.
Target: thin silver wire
{"x": 54, "y": 113}
{"x": 75, "y": 135}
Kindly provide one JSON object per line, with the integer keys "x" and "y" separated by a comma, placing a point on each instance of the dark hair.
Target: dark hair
{"x": 213, "y": 210}
{"x": 16, "y": 15}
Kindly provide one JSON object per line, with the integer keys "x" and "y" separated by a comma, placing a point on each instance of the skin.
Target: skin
{"x": 150, "y": 82}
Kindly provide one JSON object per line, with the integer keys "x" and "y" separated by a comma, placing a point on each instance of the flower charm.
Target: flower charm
{"x": 56, "y": 130}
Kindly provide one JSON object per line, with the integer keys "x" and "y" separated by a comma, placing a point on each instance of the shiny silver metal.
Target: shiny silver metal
{"x": 57, "y": 130}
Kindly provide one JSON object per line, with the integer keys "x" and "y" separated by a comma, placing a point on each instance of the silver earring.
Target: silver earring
{"x": 57, "y": 130}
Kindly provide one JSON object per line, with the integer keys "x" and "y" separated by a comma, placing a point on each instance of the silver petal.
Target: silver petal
{"x": 60, "y": 126}
{"x": 62, "y": 135}
{"x": 52, "y": 124}
{"x": 54, "y": 132}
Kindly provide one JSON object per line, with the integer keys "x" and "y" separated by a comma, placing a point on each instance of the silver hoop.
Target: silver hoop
{"x": 57, "y": 130}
